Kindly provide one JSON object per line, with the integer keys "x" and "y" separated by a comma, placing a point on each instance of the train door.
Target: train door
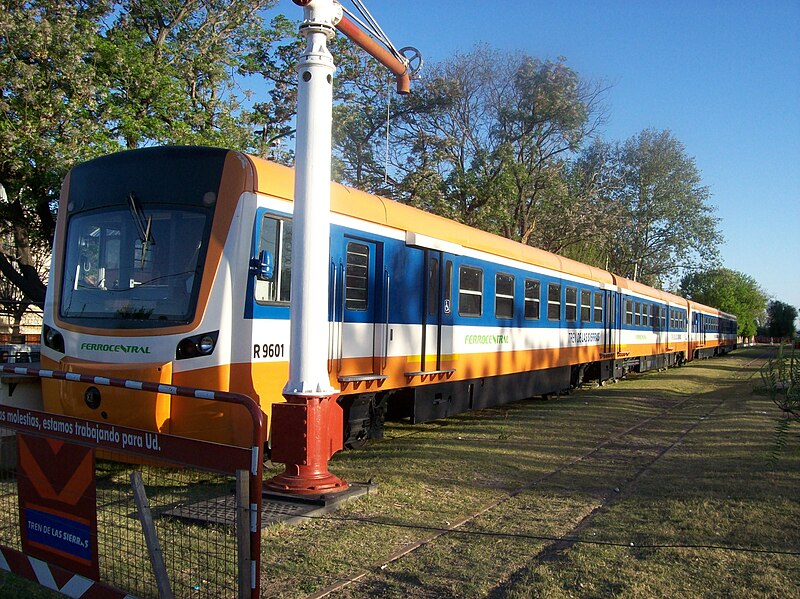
{"x": 697, "y": 334}
{"x": 668, "y": 324}
{"x": 611, "y": 322}
{"x": 436, "y": 309}
{"x": 360, "y": 307}
{"x": 703, "y": 326}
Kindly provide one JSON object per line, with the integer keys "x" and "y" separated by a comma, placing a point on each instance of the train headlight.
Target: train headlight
{"x": 206, "y": 344}
{"x": 196, "y": 346}
{"x": 53, "y": 339}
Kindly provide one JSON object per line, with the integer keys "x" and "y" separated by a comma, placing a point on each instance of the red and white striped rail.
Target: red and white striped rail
{"x": 30, "y": 567}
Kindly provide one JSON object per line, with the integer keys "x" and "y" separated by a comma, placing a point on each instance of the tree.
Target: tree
{"x": 80, "y": 78}
{"x": 169, "y": 68}
{"x": 668, "y": 225}
{"x": 730, "y": 291}
{"x": 48, "y": 103}
{"x": 363, "y": 103}
{"x": 583, "y": 224}
{"x": 497, "y": 130}
{"x": 780, "y": 319}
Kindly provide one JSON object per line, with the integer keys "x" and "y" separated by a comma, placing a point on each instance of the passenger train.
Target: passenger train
{"x": 173, "y": 265}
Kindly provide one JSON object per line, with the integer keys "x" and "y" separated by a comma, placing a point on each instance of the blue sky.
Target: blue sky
{"x": 724, "y": 77}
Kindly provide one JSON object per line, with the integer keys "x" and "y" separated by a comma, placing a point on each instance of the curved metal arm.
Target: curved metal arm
{"x": 380, "y": 54}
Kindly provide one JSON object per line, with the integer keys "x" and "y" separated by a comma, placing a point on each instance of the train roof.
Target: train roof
{"x": 696, "y": 307}
{"x": 278, "y": 181}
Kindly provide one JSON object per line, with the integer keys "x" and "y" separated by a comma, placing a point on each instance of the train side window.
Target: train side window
{"x": 598, "y": 306}
{"x": 645, "y": 312}
{"x": 637, "y": 313}
{"x": 553, "y": 301}
{"x": 628, "y": 311}
{"x": 276, "y": 238}
{"x": 470, "y": 291}
{"x": 504, "y": 295}
{"x": 571, "y": 303}
{"x": 533, "y": 299}
{"x": 356, "y": 292}
{"x": 586, "y": 305}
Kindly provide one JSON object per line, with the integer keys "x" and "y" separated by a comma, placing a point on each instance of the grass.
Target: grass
{"x": 692, "y": 478}
{"x": 656, "y": 486}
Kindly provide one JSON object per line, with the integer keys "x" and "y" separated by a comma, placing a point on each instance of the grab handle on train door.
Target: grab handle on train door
{"x": 332, "y": 323}
{"x": 340, "y": 322}
{"x": 387, "y": 281}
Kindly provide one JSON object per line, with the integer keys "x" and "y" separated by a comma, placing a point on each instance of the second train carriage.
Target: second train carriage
{"x": 173, "y": 265}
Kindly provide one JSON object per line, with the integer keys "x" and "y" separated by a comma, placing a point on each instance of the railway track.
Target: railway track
{"x": 556, "y": 547}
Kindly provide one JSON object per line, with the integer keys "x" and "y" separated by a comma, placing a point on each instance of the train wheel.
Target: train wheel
{"x": 356, "y": 443}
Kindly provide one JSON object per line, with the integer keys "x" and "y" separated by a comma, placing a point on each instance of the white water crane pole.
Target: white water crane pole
{"x": 308, "y": 357}
{"x": 307, "y": 429}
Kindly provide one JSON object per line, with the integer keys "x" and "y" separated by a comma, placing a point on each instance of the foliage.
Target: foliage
{"x": 48, "y": 105}
{"x": 780, "y": 378}
{"x": 488, "y": 140}
{"x": 504, "y": 142}
{"x": 780, "y": 319}
{"x": 169, "y": 66}
{"x": 85, "y": 77}
{"x": 730, "y": 291}
{"x": 668, "y": 226}
{"x": 363, "y": 99}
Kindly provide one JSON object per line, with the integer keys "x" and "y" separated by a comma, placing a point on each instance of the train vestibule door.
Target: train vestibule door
{"x": 359, "y": 335}
{"x": 703, "y": 328}
{"x": 611, "y": 322}
{"x": 434, "y": 305}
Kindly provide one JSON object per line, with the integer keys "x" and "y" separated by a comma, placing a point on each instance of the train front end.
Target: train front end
{"x": 137, "y": 287}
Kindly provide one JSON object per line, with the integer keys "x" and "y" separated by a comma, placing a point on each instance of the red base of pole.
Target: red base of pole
{"x": 298, "y": 480}
{"x": 306, "y": 432}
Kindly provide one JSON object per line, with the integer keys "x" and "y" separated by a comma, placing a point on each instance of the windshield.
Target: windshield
{"x": 123, "y": 270}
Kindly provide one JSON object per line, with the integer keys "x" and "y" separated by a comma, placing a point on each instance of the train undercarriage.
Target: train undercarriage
{"x": 366, "y": 413}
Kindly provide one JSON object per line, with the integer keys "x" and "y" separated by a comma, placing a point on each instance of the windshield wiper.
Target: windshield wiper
{"x": 142, "y": 225}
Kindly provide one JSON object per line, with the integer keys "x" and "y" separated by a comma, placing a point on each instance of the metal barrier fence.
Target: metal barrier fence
{"x": 99, "y": 510}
